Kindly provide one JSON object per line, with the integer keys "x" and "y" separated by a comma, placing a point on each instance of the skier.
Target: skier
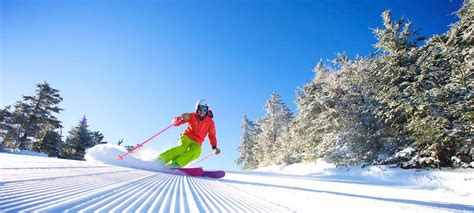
{"x": 200, "y": 124}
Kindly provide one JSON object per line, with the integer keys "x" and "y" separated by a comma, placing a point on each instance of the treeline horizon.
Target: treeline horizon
{"x": 31, "y": 124}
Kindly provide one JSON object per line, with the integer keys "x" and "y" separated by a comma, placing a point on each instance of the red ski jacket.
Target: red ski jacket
{"x": 197, "y": 128}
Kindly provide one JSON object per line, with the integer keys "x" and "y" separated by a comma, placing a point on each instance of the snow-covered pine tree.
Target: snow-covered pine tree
{"x": 246, "y": 149}
{"x": 290, "y": 151}
{"x": 315, "y": 126}
{"x": 360, "y": 138}
{"x": 440, "y": 125}
{"x": 258, "y": 148}
{"x": 425, "y": 107}
{"x": 460, "y": 52}
{"x": 436, "y": 99}
{"x": 32, "y": 118}
{"x": 277, "y": 116}
{"x": 394, "y": 69}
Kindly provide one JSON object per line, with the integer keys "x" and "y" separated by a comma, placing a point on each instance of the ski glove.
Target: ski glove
{"x": 176, "y": 120}
{"x": 183, "y": 117}
{"x": 216, "y": 150}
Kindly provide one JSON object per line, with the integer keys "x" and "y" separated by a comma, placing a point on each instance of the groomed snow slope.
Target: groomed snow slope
{"x": 32, "y": 183}
{"x": 47, "y": 184}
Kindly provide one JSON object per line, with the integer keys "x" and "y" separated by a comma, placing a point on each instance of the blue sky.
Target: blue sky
{"x": 131, "y": 66}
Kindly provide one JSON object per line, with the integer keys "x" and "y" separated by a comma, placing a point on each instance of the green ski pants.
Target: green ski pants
{"x": 186, "y": 151}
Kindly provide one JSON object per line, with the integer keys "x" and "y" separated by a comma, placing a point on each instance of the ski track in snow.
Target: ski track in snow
{"x": 94, "y": 188}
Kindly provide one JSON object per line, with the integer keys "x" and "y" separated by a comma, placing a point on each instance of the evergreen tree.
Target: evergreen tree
{"x": 314, "y": 125}
{"x": 277, "y": 117}
{"x": 246, "y": 149}
{"x": 7, "y": 128}
{"x": 31, "y": 118}
{"x": 81, "y": 138}
{"x": 395, "y": 69}
{"x": 98, "y": 137}
{"x": 258, "y": 149}
{"x": 459, "y": 52}
{"x": 361, "y": 133}
{"x": 440, "y": 126}
{"x": 51, "y": 144}
{"x": 290, "y": 152}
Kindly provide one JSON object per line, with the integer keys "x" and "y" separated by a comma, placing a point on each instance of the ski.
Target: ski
{"x": 190, "y": 171}
{"x": 197, "y": 171}
{"x": 214, "y": 174}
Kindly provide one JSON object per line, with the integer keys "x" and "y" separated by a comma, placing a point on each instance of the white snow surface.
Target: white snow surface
{"x": 108, "y": 153}
{"x": 26, "y": 152}
{"x": 103, "y": 184}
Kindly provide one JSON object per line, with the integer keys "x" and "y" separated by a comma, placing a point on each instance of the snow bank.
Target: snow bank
{"x": 108, "y": 153}
{"x": 460, "y": 181}
{"x": 320, "y": 167}
{"x": 26, "y": 152}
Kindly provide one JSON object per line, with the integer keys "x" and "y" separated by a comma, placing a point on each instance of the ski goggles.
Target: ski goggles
{"x": 203, "y": 108}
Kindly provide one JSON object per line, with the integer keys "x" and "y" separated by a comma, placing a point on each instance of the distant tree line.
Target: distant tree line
{"x": 407, "y": 104}
{"x": 31, "y": 124}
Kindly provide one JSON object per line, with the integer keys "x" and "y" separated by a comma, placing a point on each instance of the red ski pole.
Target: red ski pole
{"x": 120, "y": 157}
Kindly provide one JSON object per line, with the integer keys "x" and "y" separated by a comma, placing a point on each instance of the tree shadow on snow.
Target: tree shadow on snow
{"x": 350, "y": 179}
{"x": 450, "y": 206}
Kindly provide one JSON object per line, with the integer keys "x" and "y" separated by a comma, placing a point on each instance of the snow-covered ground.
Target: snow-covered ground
{"x": 33, "y": 183}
